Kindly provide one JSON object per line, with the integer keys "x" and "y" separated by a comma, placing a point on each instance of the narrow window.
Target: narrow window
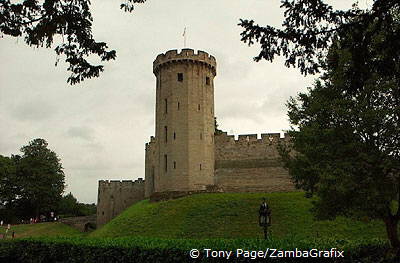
{"x": 166, "y": 105}
{"x": 201, "y": 136}
{"x": 198, "y": 107}
{"x": 174, "y": 135}
{"x": 166, "y": 133}
{"x": 180, "y": 77}
{"x": 207, "y": 81}
{"x": 166, "y": 162}
{"x": 178, "y": 105}
{"x": 174, "y": 165}
{"x": 200, "y": 166}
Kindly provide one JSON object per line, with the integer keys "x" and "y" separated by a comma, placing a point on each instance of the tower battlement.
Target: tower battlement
{"x": 266, "y": 138}
{"x": 186, "y": 55}
{"x": 103, "y": 184}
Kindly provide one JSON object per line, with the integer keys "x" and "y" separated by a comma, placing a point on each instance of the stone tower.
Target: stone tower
{"x": 181, "y": 156}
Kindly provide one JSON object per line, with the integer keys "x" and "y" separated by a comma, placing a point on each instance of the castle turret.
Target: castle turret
{"x": 181, "y": 157}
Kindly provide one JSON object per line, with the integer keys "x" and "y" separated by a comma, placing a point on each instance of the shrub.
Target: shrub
{"x": 174, "y": 250}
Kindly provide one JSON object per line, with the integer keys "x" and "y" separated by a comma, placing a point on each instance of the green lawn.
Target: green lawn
{"x": 42, "y": 230}
{"x": 233, "y": 215}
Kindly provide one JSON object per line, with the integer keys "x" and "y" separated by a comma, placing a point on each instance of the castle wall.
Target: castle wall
{"x": 150, "y": 166}
{"x": 250, "y": 164}
{"x": 115, "y": 196}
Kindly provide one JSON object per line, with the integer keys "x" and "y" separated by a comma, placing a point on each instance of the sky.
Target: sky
{"x": 99, "y": 128}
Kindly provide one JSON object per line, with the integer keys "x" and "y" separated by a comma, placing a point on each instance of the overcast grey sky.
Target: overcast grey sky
{"x": 99, "y": 127}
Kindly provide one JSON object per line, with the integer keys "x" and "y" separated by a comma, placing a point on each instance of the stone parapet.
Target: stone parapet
{"x": 186, "y": 55}
{"x": 266, "y": 138}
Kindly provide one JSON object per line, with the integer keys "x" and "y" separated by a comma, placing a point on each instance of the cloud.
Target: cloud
{"x": 84, "y": 133}
{"x": 34, "y": 110}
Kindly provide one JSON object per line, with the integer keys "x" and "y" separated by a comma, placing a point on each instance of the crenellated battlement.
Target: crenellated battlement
{"x": 186, "y": 54}
{"x": 119, "y": 183}
{"x": 266, "y": 138}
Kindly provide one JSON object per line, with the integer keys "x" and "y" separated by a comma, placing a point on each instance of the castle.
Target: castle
{"x": 186, "y": 154}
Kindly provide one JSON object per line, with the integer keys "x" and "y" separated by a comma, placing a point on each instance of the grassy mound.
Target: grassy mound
{"x": 42, "y": 230}
{"x": 233, "y": 215}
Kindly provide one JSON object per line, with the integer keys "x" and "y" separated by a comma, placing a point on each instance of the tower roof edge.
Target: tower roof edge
{"x": 186, "y": 54}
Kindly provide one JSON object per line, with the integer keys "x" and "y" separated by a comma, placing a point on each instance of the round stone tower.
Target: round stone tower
{"x": 183, "y": 155}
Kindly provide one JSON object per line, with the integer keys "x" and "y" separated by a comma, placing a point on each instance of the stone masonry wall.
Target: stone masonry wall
{"x": 182, "y": 154}
{"x": 250, "y": 164}
{"x": 151, "y": 166}
{"x": 79, "y": 222}
{"x": 115, "y": 196}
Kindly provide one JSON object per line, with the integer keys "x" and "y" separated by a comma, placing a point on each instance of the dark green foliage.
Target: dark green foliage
{"x": 69, "y": 206}
{"x": 170, "y": 250}
{"x": 86, "y": 209}
{"x": 217, "y": 131}
{"x": 345, "y": 130}
{"x": 31, "y": 184}
{"x": 40, "y": 22}
{"x": 41, "y": 178}
{"x": 128, "y": 5}
{"x": 311, "y": 26}
{"x": 9, "y": 188}
{"x": 347, "y": 137}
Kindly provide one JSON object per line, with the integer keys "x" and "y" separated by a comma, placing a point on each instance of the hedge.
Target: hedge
{"x": 137, "y": 249}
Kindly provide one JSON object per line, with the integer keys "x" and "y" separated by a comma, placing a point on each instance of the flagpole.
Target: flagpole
{"x": 184, "y": 37}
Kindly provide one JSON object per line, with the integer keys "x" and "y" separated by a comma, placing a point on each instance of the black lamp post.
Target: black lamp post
{"x": 264, "y": 217}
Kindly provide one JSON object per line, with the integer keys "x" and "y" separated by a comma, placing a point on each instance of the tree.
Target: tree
{"x": 347, "y": 125}
{"x": 346, "y": 133}
{"x": 8, "y": 181}
{"x": 311, "y": 26}
{"x": 69, "y": 206}
{"x": 217, "y": 131}
{"x": 41, "y": 178}
{"x": 41, "y": 22}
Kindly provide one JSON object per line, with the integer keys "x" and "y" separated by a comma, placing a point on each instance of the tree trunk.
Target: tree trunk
{"x": 391, "y": 229}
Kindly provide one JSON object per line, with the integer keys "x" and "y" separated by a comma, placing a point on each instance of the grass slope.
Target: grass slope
{"x": 233, "y": 215}
{"x": 42, "y": 230}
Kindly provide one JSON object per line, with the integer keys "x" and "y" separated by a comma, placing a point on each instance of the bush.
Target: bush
{"x": 174, "y": 250}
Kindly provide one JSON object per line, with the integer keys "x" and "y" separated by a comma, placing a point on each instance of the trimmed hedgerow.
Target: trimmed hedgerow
{"x": 81, "y": 250}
